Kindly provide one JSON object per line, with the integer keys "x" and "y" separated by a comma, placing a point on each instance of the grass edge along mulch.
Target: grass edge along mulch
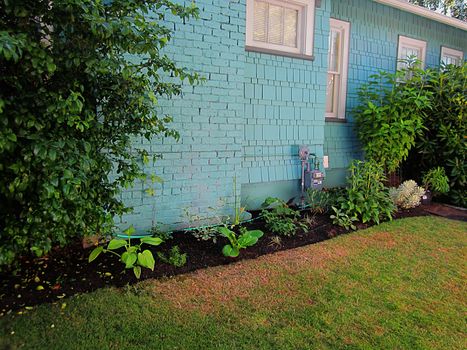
{"x": 397, "y": 285}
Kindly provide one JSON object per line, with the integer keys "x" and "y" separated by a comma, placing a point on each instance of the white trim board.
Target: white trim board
{"x": 424, "y": 12}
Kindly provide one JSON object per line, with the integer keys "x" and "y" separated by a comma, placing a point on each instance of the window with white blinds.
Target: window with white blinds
{"x": 280, "y": 26}
{"x": 451, "y": 56}
{"x": 410, "y": 49}
{"x": 338, "y": 57}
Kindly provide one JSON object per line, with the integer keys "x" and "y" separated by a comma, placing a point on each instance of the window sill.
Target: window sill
{"x": 335, "y": 120}
{"x": 279, "y": 53}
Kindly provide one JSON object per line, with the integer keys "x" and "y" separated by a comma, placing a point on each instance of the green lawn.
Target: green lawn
{"x": 400, "y": 285}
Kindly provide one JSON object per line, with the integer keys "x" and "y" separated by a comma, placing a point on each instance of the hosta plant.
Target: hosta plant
{"x": 407, "y": 195}
{"x": 244, "y": 240}
{"x": 133, "y": 257}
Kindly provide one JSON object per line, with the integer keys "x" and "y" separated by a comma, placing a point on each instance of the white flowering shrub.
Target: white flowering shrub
{"x": 407, "y": 195}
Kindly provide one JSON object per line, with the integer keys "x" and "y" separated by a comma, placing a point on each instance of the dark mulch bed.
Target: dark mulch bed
{"x": 66, "y": 271}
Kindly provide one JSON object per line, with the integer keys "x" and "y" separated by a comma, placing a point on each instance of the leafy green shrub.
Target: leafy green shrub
{"x": 280, "y": 219}
{"x": 342, "y": 219}
{"x": 407, "y": 195}
{"x": 390, "y": 115}
{"x": 436, "y": 181}
{"x": 443, "y": 139}
{"x": 174, "y": 257}
{"x": 366, "y": 198}
{"x": 244, "y": 240}
{"x": 72, "y": 99}
{"x": 133, "y": 257}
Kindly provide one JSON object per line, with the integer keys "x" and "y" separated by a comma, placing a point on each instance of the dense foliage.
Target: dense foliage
{"x": 366, "y": 198}
{"x": 436, "y": 181}
{"x": 71, "y": 100}
{"x": 443, "y": 141}
{"x": 390, "y": 115}
{"x": 453, "y": 8}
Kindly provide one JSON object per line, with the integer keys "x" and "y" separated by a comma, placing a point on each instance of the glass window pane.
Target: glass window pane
{"x": 260, "y": 21}
{"x": 410, "y": 51}
{"x": 290, "y": 27}
{"x": 275, "y": 24}
{"x": 332, "y": 93}
{"x": 448, "y": 59}
{"x": 334, "y": 51}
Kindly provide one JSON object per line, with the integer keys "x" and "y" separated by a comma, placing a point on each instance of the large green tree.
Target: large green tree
{"x": 72, "y": 98}
{"x": 454, "y": 8}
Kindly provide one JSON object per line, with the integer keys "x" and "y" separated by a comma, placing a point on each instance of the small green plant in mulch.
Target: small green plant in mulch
{"x": 245, "y": 239}
{"x": 133, "y": 257}
{"x": 174, "y": 257}
{"x": 340, "y": 218}
{"x": 280, "y": 219}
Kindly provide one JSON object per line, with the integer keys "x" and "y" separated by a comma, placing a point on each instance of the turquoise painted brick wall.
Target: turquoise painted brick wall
{"x": 374, "y": 35}
{"x": 284, "y": 108}
{"x": 199, "y": 170}
{"x": 247, "y": 121}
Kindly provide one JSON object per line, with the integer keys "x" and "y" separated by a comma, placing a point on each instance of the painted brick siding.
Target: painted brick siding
{"x": 374, "y": 31}
{"x": 246, "y": 121}
{"x": 285, "y": 102}
{"x": 199, "y": 170}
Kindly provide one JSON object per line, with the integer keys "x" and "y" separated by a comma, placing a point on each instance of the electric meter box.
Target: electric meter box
{"x": 314, "y": 179}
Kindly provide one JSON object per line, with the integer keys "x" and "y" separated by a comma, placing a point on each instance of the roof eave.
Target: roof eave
{"x": 424, "y": 12}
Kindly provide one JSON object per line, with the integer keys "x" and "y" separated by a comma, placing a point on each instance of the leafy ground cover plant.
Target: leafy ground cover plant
{"x": 366, "y": 198}
{"x": 436, "y": 181}
{"x": 407, "y": 195}
{"x": 244, "y": 240}
{"x": 342, "y": 219}
{"x": 72, "y": 99}
{"x": 133, "y": 257}
{"x": 390, "y": 115}
{"x": 280, "y": 219}
{"x": 174, "y": 257}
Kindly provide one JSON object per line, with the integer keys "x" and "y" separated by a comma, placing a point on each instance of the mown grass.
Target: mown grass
{"x": 400, "y": 285}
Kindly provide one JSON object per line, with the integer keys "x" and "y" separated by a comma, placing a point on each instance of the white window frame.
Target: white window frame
{"x": 305, "y": 29}
{"x": 447, "y": 51}
{"x": 413, "y": 43}
{"x": 339, "y": 104}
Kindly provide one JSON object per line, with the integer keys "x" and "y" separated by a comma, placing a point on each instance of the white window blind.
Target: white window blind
{"x": 275, "y": 24}
{"x": 278, "y": 25}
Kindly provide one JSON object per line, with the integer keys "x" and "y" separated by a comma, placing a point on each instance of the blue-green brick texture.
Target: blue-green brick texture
{"x": 246, "y": 121}
{"x": 374, "y": 32}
